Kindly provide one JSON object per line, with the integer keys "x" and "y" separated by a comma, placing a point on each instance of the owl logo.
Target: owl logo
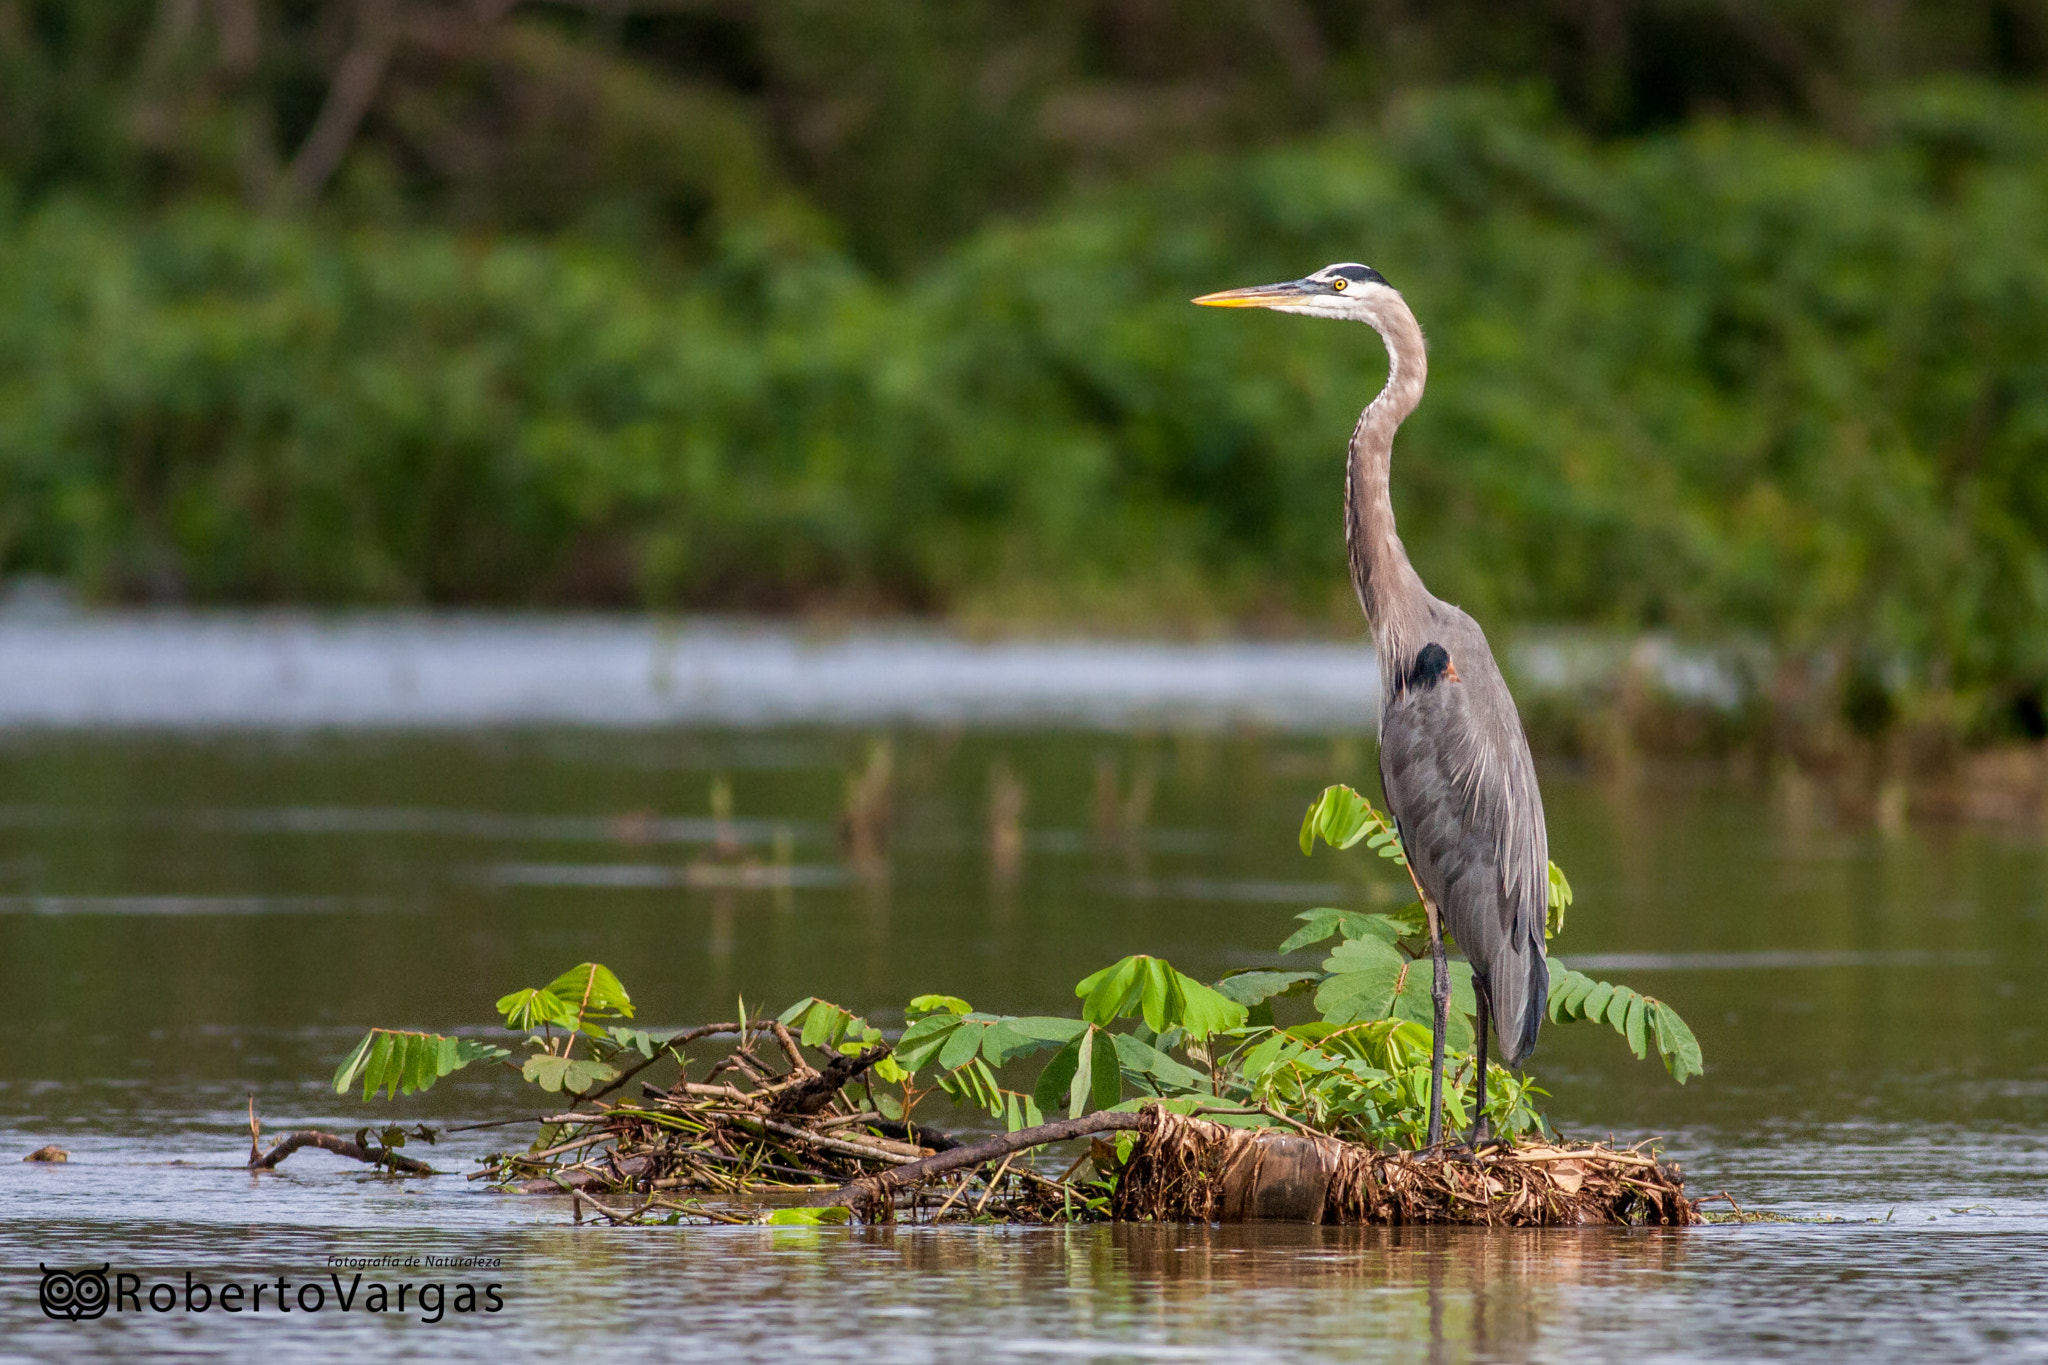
{"x": 74, "y": 1295}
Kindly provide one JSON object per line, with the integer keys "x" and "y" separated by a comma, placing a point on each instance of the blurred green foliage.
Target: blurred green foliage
{"x": 727, "y": 305}
{"x": 1734, "y": 375}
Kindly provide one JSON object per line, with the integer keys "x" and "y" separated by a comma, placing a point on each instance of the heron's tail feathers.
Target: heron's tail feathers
{"x": 1519, "y": 990}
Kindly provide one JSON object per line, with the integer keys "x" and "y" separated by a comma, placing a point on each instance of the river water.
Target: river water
{"x": 192, "y": 917}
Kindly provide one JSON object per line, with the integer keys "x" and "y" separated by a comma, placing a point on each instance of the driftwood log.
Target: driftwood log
{"x": 260, "y": 1160}
{"x": 340, "y": 1146}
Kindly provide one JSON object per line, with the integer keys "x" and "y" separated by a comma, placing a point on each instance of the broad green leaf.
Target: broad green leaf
{"x": 1055, "y": 1081}
{"x": 951, "y": 1004}
{"x": 1342, "y": 817}
{"x": 960, "y": 1046}
{"x": 1617, "y": 1008}
{"x": 1204, "y": 1011}
{"x": 1262, "y": 1055}
{"x": 1167, "y": 998}
{"x": 1363, "y": 973}
{"x": 1106, "y": 1074}
{"x": 351, "y": 1065}
{"x": 576, "y": 1076}
{"x": 832, "y": 1216}
{"x": 1158, "y": 995}
{"x": 378, "y": 1073}
{"x": 1363, "y": 954}
{"x": 590, "y": 988}
{"x": 1636, "y": 1040}
{"x": 403, "y": 1062}
{"x": 1020, "y": 1111}
{"x": 1250, "y": 988}
{"x": 1595, "y": 1007}
{"x": 1045, "y": 1028}
{"x": 1082, "y": 1085}
{"x": 632, "y": 1039}
{"x": 1410, "y": 921}
{"x": 1675, "y": 1043}
{"x": 1142, "y": 1059}
{"x": 1322, "y": 923}
{"x": 1112, "y": 991}
{"x": 535, "y": 1008}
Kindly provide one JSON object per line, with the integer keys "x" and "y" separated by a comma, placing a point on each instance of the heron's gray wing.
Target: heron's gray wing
{"x": 1459, "y": 782}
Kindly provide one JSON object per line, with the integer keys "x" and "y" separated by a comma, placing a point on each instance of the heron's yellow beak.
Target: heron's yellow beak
{"x": 1258, "y": 296}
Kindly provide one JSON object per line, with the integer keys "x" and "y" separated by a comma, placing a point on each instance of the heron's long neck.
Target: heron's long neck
{"x": 1388, "y": 587}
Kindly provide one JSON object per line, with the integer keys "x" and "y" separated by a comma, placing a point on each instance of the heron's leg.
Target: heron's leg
{"x": 1482, "y": 1129}
{"x": 1440, "y": 996}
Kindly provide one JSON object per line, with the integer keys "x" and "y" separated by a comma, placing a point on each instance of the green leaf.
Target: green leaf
{"x": 1249, "y": 988}
{"x": 1045, "y": 1028}
{"x": 1360, "y": 995}
{"x": 589, "y": 988}
{"x": 1363, "y": 954}
{"x": 1675, "y": 1043}
{"x": 1112, "y": 991}
{"x": 351, "y": 1065}
{"x": 1640, "y": 1019}
{"x": 536, "y": 1007}
{"x": 557, "y": 1074}
{"x": 404, "y": 1062}
{"x": 1158, "y": 995}
{"x": 1082, "y": 1084}
{"x": 1167, "y": 998}
{"x": 1106, "y": 1074}
{"x": 632, "y": 1040}
{"x": 1056, "y": 1079}
{"x": 378, "y": 1073}
{"x": 1636, "y": 1041}
{"x": 1203, "y": 1011}
{"x": 960, "y": 1047}
{"x": 1560, "y": 901}
{"x": 1363, "y": 973}
{"x": 1020, "y": 1111}
{"x": 1319, "y": 924}
{"x": 1342, "y": 817}
{"x": 1617, "y": 1008}
{"x": 951, "y": 1004}
{"x": 923, "y": 1040}
{"x": 834, "y": 1216}
{"x": 1139, "y": 1058}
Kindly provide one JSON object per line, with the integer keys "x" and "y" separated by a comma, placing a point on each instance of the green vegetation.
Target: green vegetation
{"x": 1358, "y": 1068}
{"x": 797, "y": 307}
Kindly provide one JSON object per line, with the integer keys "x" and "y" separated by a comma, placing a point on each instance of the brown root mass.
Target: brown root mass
{"x": 1196, "y": 1170}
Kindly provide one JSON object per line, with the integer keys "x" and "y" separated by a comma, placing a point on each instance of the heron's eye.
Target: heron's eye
{"x": 1338, "y": 284}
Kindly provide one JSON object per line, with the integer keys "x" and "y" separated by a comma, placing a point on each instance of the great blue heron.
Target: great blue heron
{"x": 1454, "y": 760}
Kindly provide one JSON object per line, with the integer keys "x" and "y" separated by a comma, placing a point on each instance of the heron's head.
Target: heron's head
{"x": 1344, "y": 290}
